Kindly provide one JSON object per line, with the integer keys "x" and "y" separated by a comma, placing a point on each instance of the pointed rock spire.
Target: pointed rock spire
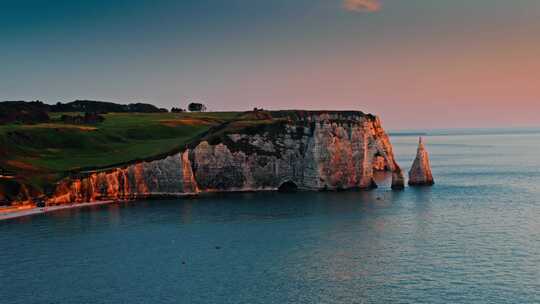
{"x": 420, "y": 173}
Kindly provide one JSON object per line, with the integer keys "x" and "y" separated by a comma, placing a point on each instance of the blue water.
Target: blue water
{"x": 473, "y": 238}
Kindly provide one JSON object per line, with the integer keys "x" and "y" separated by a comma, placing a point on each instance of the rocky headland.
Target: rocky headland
{"x": 285, "y": 150}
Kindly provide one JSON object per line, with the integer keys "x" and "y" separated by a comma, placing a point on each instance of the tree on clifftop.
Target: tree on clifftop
{"x": 196, "y": 107}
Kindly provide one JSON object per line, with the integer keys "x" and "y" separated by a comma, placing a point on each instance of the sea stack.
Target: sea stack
{"x": 420, "y": 173}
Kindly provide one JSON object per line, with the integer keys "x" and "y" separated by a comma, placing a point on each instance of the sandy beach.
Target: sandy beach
{"x": 34, "y": 211}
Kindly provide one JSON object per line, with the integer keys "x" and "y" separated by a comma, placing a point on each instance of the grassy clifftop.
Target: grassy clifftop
{"x": 39, "y": 155}
{"x": 42, "y": 153}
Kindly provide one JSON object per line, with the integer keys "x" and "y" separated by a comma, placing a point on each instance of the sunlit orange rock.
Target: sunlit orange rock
{"x": 420, "y": 173}
{"x": 314, "y": 151}
{"x": 379, "y": 163}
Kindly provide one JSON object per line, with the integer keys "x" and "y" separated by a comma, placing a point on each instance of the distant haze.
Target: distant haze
{"x": 416, "y": 63}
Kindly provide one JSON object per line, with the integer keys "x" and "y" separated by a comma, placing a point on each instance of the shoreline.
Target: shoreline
{"x": 42, "y": 210}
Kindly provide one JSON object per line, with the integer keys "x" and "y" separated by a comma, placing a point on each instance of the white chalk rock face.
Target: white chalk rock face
{"x": 317, "y": 151}
{"x": 420, "y": 173}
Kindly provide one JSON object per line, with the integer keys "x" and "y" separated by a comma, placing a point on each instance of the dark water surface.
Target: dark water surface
{"x": 473, "y": 238}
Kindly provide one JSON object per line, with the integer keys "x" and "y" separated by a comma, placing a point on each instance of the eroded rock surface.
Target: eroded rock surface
{"x": 317, "y": 151}
{"x": 398, "y": 181}
{"x": 420, "y": 173}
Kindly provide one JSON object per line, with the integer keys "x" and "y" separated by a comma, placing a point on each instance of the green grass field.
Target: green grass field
{"x": 42, "y": 154}
{"x": 37, "y": 156}
{"x": 55, "y": 147}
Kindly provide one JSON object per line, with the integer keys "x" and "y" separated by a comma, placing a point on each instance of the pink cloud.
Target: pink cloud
{"x": 362, "y": 5}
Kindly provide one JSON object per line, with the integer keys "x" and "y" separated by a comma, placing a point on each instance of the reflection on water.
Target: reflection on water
{"x": 473, "y": 238}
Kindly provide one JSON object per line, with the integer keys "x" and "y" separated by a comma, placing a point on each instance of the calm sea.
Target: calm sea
{"x": 472, "y": 238}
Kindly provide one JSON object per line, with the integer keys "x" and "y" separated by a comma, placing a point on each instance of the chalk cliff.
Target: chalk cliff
{"x": 420, "y": 173}
{"x": 306, "y": 150}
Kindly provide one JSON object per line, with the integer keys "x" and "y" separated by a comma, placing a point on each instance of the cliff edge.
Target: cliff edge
{"x": 305, "y": 150}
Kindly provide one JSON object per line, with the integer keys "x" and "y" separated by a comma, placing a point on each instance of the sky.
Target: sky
{"x": 418, "y": 64}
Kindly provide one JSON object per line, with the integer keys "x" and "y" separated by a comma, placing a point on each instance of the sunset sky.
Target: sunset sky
{"x": 416, "y": 63}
